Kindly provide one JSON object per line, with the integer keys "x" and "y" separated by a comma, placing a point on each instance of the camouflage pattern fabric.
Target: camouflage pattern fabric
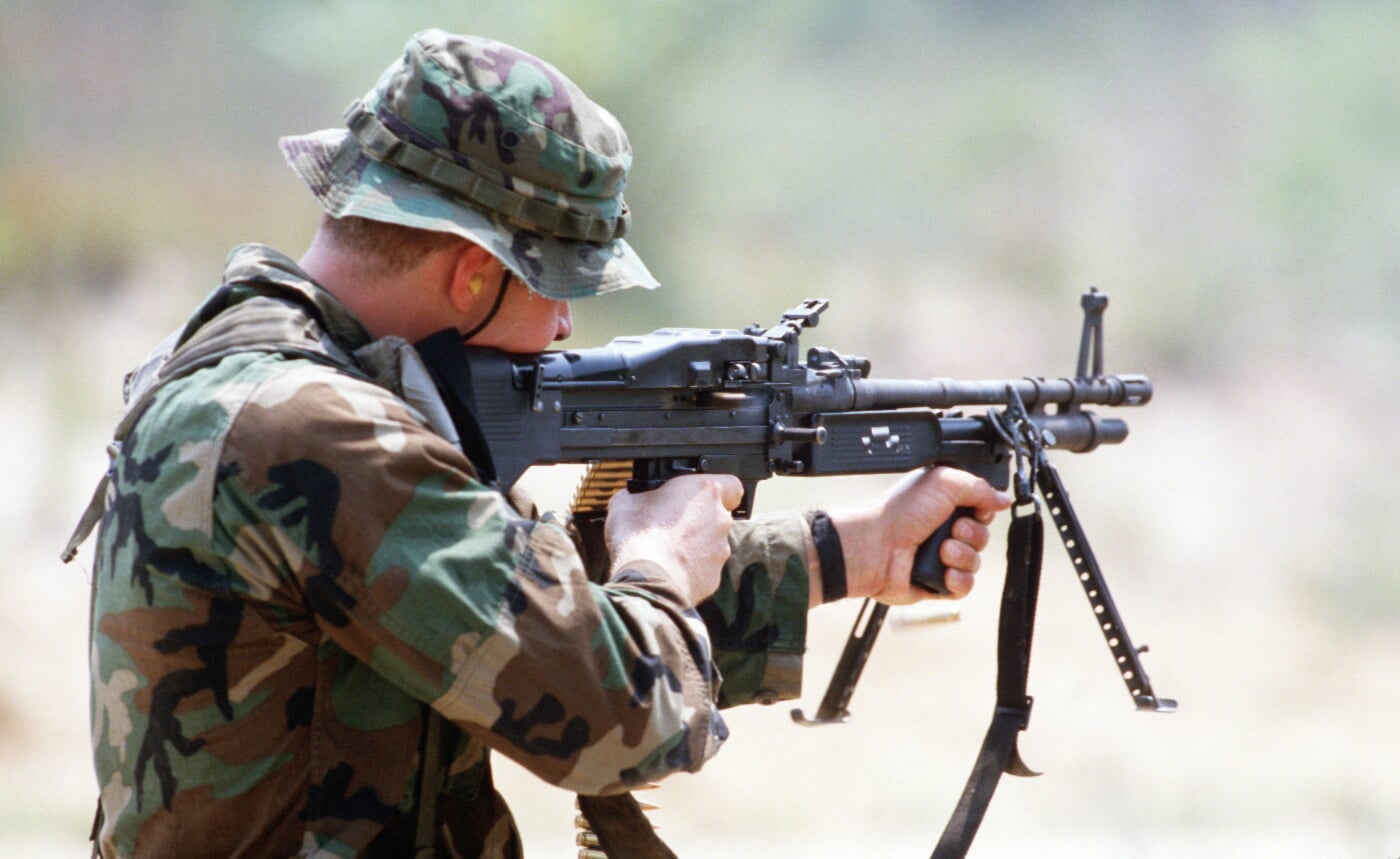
{"x": 471, "y": 136}
{"x": 292, "y": 567}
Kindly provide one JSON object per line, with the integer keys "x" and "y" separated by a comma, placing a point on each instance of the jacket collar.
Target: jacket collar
{"x": 254, "y": 270}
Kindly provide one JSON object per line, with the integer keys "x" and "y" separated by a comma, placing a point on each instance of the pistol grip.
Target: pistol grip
{"x": 929, "y": 572}
{"x": 649, "y": 474}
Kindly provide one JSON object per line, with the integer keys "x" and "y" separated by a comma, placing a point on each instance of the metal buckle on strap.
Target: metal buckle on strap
{"x": 1022, "y": 713}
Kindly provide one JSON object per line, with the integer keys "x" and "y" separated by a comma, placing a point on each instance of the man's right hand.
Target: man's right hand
{"x": 683, "y": 526}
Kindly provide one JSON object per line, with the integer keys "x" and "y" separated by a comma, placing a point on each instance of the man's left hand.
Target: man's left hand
{"x": 879, "y": 539}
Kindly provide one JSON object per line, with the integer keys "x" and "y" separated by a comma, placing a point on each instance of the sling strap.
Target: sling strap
{"x": 999, "y": 752}
{"x": 1025, "y": 544}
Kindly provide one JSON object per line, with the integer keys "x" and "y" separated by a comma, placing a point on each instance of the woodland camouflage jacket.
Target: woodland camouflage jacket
{"x": 293, "y": 566}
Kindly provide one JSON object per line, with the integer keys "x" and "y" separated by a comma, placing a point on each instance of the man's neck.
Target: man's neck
{"x": 396, "y": 303}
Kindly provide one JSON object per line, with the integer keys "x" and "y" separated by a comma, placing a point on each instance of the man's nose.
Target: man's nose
{"x": 565, "y": 322}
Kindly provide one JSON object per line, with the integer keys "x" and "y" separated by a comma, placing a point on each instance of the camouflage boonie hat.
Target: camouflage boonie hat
{"x": 470, "y": 136}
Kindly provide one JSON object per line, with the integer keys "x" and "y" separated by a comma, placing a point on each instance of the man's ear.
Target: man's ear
{"x": 470, "y": 275}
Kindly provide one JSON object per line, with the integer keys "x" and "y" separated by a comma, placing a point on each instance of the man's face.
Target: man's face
{"x": 526, "y": 322}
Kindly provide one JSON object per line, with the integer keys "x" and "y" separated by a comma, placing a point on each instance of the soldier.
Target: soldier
{"x": 312, "y": 620}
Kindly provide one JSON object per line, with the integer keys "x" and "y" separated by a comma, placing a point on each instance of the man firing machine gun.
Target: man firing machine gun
{"x": 316, "y": 615}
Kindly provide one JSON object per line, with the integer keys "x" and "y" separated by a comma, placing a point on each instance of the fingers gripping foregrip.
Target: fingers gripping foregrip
{"x": 929, "y": 571}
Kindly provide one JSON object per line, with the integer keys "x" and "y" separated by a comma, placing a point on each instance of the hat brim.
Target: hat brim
{"x": 346, "y": 181}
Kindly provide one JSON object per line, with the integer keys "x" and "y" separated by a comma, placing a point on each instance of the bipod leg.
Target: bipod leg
{"x": 833, "y": 708}
{"x": 1086, "y": 566}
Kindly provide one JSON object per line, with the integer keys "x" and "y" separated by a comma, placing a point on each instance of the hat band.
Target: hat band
{"x": 473, "y": 182}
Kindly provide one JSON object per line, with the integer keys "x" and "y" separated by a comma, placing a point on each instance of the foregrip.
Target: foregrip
{"x": 929, "y": 572}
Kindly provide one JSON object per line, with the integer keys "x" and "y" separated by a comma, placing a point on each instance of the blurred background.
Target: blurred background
{"x": 952, "y": 177}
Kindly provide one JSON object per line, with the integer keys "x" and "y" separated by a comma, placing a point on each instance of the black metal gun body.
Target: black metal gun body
{"x": 683, "y": 400}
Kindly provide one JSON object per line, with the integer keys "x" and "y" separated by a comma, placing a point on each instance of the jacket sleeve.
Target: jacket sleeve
{"x": 758, "y": 617}
{"x": 340, "y": 503}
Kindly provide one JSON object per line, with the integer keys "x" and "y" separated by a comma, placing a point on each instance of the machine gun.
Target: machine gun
{"x": 748, "y": 403}
{"x": 686, "y": 400}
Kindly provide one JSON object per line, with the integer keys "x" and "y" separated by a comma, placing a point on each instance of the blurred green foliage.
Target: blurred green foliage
{"x": 952, "y": 176}
{"x": 1233, "y": 169}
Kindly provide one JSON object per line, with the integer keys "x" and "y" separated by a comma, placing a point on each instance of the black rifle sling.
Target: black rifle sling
{"x": 999, "y": 754}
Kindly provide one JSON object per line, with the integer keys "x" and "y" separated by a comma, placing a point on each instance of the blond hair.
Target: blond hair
{"x": 391, "y": 248}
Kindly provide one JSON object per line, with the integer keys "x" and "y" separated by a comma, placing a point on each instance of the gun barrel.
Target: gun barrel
{"x": 1125, "y": 390}
{"x": 1079, "y": 432}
